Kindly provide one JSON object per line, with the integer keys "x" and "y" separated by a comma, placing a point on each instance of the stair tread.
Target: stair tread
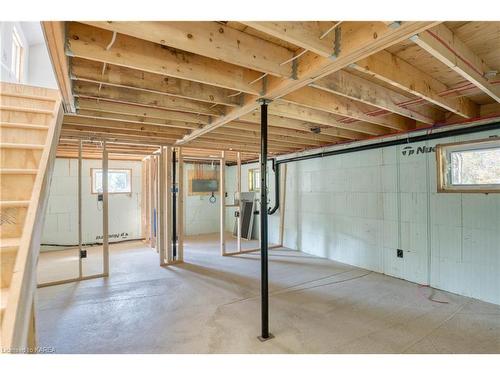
{"x": 22, "y": 125}
{"x": 9, "y": 242}
{"x": 28, "y": 96}
{"x": 18, "y": 171}
{"x": 26, "y": 109}
{"x": 14, "y": 203}
{"x": 22, "y": 146}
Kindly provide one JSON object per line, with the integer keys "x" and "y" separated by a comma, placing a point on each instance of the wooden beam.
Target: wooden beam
{"x": 139, "y": 114}
{"x": 328, "y": 102}
{"x": 83, "y": 133}
{"x": 368, "y": 92}
{"x": 209, "y": 39}
{"x": 90, "y": 43}
{"x": 55, "y": 37}
{"x": 140, "y": 110}
{"x": 222, "y": 204}
{"x": 445, "y": 46}
{"x": 135, "y": 119}
{"x": 112, "y": 75}
{"x": 362, "y": 41}
{"x": 397, "y": 72}
{"x": 121, "y": 125}
{"x": 299, "y": 112}
{"x": 303, "y": 34}
{"x": 121, "y": 95}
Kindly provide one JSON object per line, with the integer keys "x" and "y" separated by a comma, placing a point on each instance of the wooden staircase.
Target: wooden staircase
{"x": 30, "y": 123}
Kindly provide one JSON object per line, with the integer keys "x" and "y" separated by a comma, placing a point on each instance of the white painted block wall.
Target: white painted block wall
{"x": 200, "y": 216}
{"x": 61, "y": 221}
{"x": 358, "y": 208}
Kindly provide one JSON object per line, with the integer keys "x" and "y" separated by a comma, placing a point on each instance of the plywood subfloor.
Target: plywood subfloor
{"x": 211, "y": 304}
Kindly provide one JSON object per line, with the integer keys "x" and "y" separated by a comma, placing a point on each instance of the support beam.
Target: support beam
{"x": 445, "y": 46}
{"x": 305, "y": 34}
{"x": 90, "y": 43}
{"x": 209, "y": 39}
{"x": 144, "y": 98}
{"x": 368, "y": 92}
{"x": 140, "y": 110}
{"x": 397, "y": 72}
{"x": 325, "y": 101}
{"x": 118, "y": 76}
{"x": 301, "y": 112}
{"x": 362, "y": 40}
{"x": 55, "y": 37}
{"x": 265, "y": 335}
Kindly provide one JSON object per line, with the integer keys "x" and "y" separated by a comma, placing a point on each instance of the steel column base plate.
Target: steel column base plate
{"x": 271, "y": 336}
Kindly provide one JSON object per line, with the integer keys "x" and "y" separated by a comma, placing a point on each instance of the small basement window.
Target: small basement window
{"x": 119, "y": 181}
{"x": 469, "y": 167}
{"x": 17, "y": 56}
{"x": 254, "y": 179}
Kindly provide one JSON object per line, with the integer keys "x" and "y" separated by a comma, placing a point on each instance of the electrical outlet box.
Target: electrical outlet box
{"x": 399, "y": 253}
{"x": 83, "y": 254}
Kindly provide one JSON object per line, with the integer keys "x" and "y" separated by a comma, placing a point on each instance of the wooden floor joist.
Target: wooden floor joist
{"x": 174, "y": 83}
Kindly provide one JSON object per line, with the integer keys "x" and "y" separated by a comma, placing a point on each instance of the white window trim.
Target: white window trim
{"x": 92, "y": 179}
{"x": 443, "y": 152}
{"x": 17, "y": 58}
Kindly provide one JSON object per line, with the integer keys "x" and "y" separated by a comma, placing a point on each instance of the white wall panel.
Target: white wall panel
{"x": 359, "y": 208}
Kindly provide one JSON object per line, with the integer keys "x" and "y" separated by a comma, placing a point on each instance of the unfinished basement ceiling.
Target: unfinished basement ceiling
{"x": 139, "y": 85}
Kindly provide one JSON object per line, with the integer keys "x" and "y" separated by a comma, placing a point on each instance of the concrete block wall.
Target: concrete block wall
{"x": 61, "y": 221}
{"x": 200, "y": 215}
{"x": 359, "y": 208}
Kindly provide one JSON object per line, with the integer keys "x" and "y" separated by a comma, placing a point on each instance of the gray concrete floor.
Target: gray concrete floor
{"x": 211, "y": 304}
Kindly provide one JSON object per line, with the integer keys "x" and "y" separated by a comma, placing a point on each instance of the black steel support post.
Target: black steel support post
{"x": 174, "y": 206}
{"x": 265, "y": 335}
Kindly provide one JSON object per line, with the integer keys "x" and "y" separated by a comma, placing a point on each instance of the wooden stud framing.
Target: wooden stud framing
{"x": 162, "y": 207}
{"x": 180, "y": 209}
{"x": 79, "y": 197}
{"x": 168, "y": 205}
{"x": 282, "y": 203}
{"x": 222, "y": 203}
{"x": 238, "y": 196}
{"x": 105, "y": 211}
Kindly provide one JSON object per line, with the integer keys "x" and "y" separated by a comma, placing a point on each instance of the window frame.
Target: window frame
{"x": 251, "y": 176}
{"x": 17, "y": 58}
{"x": 443, "y": 151}
{"x": 92, "y": 179}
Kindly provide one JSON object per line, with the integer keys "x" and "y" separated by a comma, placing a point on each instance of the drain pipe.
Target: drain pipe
{"x": 276, "y": 169}
{"x": 395, "y": 142}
